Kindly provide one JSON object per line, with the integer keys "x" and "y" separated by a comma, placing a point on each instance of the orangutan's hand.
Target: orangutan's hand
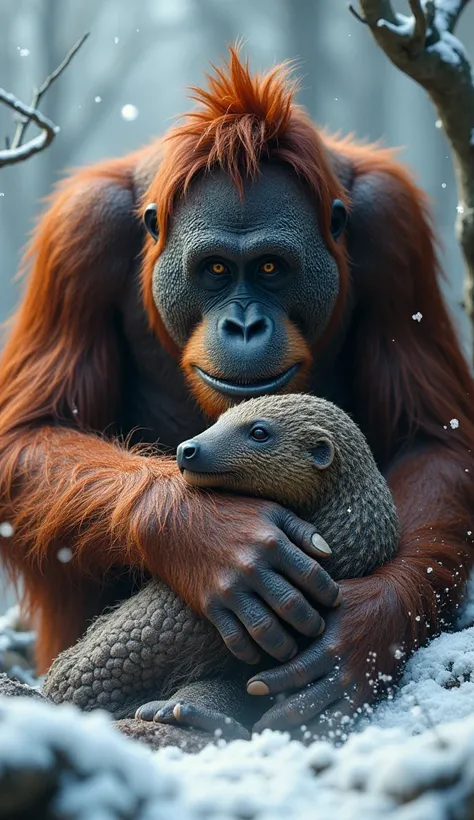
{"x": 326, "y": 683}
{"x": 260, "y": 569}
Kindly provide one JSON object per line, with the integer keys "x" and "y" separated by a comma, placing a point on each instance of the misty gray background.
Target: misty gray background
{"x": 145, "y": 52}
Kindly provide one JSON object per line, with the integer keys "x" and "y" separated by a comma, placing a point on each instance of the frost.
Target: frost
{"x": 417, "y": 317}
{"x": 6, "y": 529}
{"x": 404, "y": 25}
{"x": 409, "y": 758}
{"x": 454, "y": 424}
{"x": 129, "y": 112}
{"x": 64, "y": 555}
{"x": 379, "y": 772}
{"x": 449, "y": 49}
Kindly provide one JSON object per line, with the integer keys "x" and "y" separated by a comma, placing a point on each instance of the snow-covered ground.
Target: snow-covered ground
{"x": 414, "y": 759}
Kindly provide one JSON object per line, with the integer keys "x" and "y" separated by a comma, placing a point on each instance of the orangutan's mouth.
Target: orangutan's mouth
{"x": 243, "y": 390}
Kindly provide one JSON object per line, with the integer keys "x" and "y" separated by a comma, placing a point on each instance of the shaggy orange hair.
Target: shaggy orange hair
{"x": 241, "y": 119}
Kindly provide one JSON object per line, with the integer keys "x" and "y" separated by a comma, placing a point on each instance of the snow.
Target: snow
{"x": 378, "y": 772}
{"x": 449, "y": 48}
{"x": 129, "y": 112}
{"x": 413, "y": 759}
{"x": 6, "y": 529}
{"x": 404, "y": 26}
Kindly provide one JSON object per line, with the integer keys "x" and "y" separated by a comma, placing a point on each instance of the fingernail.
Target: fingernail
{"x": 258, "y": 687}
{"x": 177, "y": 711}
{"x": 320, "y": 544}
{"x": 339, "y": 598}
{"x": 322, "y": 628}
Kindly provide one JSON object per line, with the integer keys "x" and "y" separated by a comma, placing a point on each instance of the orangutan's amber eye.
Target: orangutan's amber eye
{"x": 268, "y": 267}
{"x": 218, "y": 267}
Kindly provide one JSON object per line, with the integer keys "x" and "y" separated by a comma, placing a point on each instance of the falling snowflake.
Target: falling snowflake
{"x": 23, "y": 51}
{"x": 349, "y": 509}
{"x": 97, "y": 99}
{"x": 430, "y": 569}
{"x": 2, "y": 194}
{"x": 6, "y": 529}
{"x": 129, "y": 112}
{"x": 64, "y": 555}
{"x": 460, "y": 209}
{"x": 116, "y": 39}
{"x": 438, "y": 124}
{"x": 417, "y": 317}
{"x": 454, "y": 424}
{"x": 443, "y": 185}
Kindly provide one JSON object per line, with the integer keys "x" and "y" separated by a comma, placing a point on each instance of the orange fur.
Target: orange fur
{"x": 241, "y": 120}
{"x": 64, "y": 482}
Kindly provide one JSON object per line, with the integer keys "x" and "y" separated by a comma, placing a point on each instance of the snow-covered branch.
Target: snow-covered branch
{"x": 424, "y": 47}
{"x": 18, "y": 151}
{"x": 10, "y": 155}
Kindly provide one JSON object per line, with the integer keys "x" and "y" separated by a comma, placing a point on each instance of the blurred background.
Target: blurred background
{"x": 129, "y": 80}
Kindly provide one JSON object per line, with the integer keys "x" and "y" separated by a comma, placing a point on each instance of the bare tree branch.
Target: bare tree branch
{"x": 16, "y": 151}
{"x": 423, "y": 47}
{"x": 49, "y": 130}
{"x": 39, "y": 92}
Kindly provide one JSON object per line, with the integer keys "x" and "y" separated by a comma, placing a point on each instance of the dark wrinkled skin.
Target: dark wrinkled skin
{"x": 275, "y": 220}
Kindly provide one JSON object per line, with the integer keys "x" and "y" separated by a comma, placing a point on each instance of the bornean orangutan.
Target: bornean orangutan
{"x": 212, "y": 266}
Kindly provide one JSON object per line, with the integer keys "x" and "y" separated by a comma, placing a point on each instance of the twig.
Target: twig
{"x": 16, "y": 151}
{"x": 357, "y": 16}
{"x": 423, "y": 47}
{"x": 39, "y": 92}
{"x": 431, "y": 724}
{"x": 49, "y": 130}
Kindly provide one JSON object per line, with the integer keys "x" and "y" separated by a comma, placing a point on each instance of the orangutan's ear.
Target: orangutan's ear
{"x": 338, "y": 218}
{"x": 323, "y": 453}
{"x": 150, "y": 220}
